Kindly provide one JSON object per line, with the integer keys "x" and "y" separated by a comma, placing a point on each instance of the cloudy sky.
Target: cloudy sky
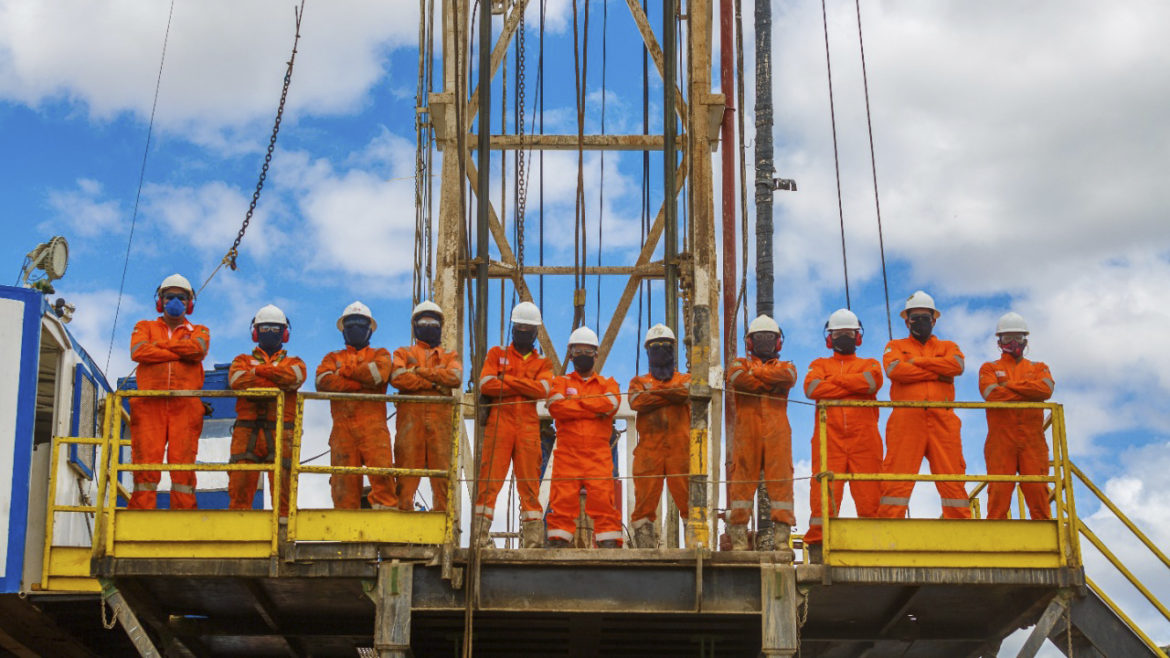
{"x": 1019, "y": 152}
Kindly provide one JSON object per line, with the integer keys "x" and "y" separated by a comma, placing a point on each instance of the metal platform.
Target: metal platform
{"x": 578, "y": 603}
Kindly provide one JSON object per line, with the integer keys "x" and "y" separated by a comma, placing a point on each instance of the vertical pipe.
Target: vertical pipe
{"x": 669, "y": 161}
{"x": 726, "y": 137}
{"x": 764, "y": 165}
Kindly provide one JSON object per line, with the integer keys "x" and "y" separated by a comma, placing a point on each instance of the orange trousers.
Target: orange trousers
{"x": 655, "y": 459}
{"x": 861, "y": 454}
{"x": 589, "y": 467}
{"x": 772, "y": 452}
{"x": 423, "y": 440}
{"x": 518, "y": 443}
{"x": 1009, "y": 455}
{"x": 351, "y": 445}
{"x": 250, "y": 446}
{"x": 912, "y": 434}
{"x": 171, "y": 426}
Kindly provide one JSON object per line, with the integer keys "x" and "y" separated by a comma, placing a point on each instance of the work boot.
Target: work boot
{"x": 557, "y": 542}
{"x": 781, "y": 536}
{"x": 609, "y": 543}
{"x": 813, "y": 553}
{"x": 765, "y": 538}
{"x": 532, "y": 534}
{"x": 646, "y": 536}
{"x": 483, "y": 537}
{"x": 739, "y": 540}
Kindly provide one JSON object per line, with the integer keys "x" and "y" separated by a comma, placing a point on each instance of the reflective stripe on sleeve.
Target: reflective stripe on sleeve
{"x": 633, "y": 394}
{"x": 987, "y": 391}
{"x": 613, "y": 400}
{"x": 374, "y": 373}
{"x": 400, "y": 371}
{"x": 135, "y": 346}
{"x": 300, "y": 374}
{"x": 954, "y": 502}
{"x": 1051, "y": 384}
{"x": 734, "y": 376}
{"x": 555, "y": 397}
{"x": 324, "y": 375}
{"x": 962, "y": 363}
{"x": 236, "y": 375}
{"x": 811, "y": 386}
{"x": 546, "y": 386}
{"x": 890, "y": 368}
{"x": 485, "y": 379}
{"x": 894, "y": 500}
{"x": 870, "y": 380}
{"x": 202, "y": 343}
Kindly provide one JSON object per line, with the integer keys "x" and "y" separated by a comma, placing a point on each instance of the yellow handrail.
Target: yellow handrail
{"x": 1153, "y": 646}
{"x": 1120, "y": 566}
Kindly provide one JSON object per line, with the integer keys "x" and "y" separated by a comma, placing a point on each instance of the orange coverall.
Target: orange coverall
{"x": 359, "y": 436}
{"x": 424, "y": 429}
{"x": 923, "y": 372}
{"x": 167, "y": 361}
{"x": 1015, "y": 438}
{"x": 514, "y": 382}
{"x": 763, "y": 437}
{"x": 664, "y": 446}
{"x": 256, "y": 421}
{"x": 854, "y": 443}
{"x": 583, "y": 410}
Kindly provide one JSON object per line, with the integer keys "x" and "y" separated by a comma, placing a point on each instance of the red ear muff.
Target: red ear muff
{"x": 284, "y": 334}
{"x": 255, "y": 334}
{"x": 190, "y": 306}
{"x": 858, "y": 339}
{"x": 158, "y": 305}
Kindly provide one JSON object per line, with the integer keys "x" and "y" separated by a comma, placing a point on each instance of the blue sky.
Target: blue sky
{"x": 1021, "y": 157}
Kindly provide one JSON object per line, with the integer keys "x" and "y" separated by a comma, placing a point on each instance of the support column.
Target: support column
{"x": 392, "y": 619}
{"x": 778, "y": 604}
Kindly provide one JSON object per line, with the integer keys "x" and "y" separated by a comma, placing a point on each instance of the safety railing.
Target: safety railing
{"x": 923, "y": 542}
{"x": 1119, "y": 564}
{"x": 238, "y": 533}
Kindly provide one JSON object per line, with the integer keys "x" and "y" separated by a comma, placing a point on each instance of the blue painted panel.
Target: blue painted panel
{"x": 25, "y": 423}
{"x": 204, "y": 500}
{"x": 85, "y": 463}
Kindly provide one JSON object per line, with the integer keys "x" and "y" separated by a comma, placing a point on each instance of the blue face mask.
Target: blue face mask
{"x": 357, "y": 333}
{"x": 175, "y": 307}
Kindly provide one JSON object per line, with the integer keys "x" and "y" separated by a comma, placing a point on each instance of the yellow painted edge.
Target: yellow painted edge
{"x": 193, "y": 526}
{"x": 942, "y": 535}
{"x": 847, "y": 558}
{"x": 377, "y": 526}
{"x": 59, "y": 584}
{"x": 192, "y": 550}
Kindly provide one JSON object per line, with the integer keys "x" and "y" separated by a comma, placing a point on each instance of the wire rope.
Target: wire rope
{"x": 836, "y": 158}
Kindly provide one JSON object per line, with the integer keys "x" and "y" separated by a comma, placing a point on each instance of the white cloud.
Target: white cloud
{"x": 84, "y": 211}
{"x": 208, "y": 217}
{"x": 225, "y": 61}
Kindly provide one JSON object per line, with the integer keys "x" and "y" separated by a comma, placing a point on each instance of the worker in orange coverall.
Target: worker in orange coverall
{"x": 424, "y": 430}
{"x": 513, "y": 379}
{"x": 922, "y": 367}
{"x": 268, "y": 366}
{"x": 763, "y": 438}
{"x": 169, "y": 351}
{"x": 853, "y": 442}
{"x": 1015, "y": 438}
{"x": 360, "y": 436}
{"x": 662, "y": 401}
{"x": 583, "y": 405}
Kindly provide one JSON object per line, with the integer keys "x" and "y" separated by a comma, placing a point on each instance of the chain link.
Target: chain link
{"x": 521, "y": 172}
{"x": 230, "y": 258}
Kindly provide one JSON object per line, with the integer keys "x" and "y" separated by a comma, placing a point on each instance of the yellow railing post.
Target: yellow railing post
{"x": 100, "y": 468}
{"x": 277, "y": 479}
{"x": 823, "y": 449}
{"x": 50, "y": 515}
{"x": 449, "y": 535}
{"x": 295, "y": 470}
{"x": 112, "y": 477}
{"x": 1066, "y": 478}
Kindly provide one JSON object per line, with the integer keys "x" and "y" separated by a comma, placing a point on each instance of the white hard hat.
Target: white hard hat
{"x": 356, "y": 308}
{"x": 583, "y": 336}
{"x": 525, "y": 313}
{"x": 270, "y": 314}
{"x": 176, "y": 281}
{"x": 843, "y": 318}
{"x": 1011, "y": 323}
{"x": 763, "y": 323}
{"x": 426, "y": 306}
{"x": 659, "y": 332}
{"x": 920, "y": 300}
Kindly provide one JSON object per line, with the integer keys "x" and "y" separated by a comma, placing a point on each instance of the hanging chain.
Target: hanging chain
{"x": 521, "y": 170}
{"x": 230, "y": 257}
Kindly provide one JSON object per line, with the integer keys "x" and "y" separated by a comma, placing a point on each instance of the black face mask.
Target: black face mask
{"x": 523, "y": 338}
{"x": 844, "y": 344}
{"x": 270, "y": 341}
{"x": 429, "y": 334}
{"x": 583, "y": 363}
{"x": 921, "y": 326}
{"x": 356, "y": 333}
{"x": 764, "y": 346}
{"x": 661, "y": 359}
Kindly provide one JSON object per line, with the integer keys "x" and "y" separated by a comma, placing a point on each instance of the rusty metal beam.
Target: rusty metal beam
{"x": 569, "y": 142}
{"x": 648, "y": 37}
{"x": 652, "y": 270}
